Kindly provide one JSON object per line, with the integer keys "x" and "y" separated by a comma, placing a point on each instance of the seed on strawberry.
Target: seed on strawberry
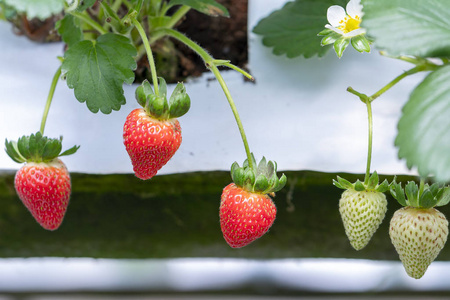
{"x": 43, "y": 183}
{"x": 246, "y": 210}
{"x": 152, "y": 134}
{"x": 418, "y": 231}
{"x": 44, "y": 189}
{"x": 418, "y": 235}
{"x": 150, "y": 143}
{"x": 362, "y": 208}
{"x": 362, "y": 213}
{"x": 245, "y": 216}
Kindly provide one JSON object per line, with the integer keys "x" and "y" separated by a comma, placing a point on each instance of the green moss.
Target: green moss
{"x": 120, "y": 216}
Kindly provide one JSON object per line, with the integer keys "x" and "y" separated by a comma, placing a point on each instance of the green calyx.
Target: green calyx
{"x": 423, "y": 196}
{"x": 360, "y": 43}
{"x": 36, "y": 148}
{"x": 157, "y": 105}
{"x": 372, "y": 184}
{"x": 262, "y": 178}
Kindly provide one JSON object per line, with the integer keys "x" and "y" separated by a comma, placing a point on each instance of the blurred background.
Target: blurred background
{"x": 297, "y": 112}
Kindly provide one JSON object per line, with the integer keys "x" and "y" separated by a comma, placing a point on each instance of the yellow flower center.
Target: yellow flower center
{"x": 349, "y": 24}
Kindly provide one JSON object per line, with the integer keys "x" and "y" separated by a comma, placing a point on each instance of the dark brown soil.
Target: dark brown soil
{"x": 223, "y": 38}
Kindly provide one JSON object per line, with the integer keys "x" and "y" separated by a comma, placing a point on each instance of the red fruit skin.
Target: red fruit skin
{"x": 150, "y": 143}
{"x": 245, "y": 216}
{"x": 44, "y": 189}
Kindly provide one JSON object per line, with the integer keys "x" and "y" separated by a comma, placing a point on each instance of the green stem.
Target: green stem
{"x": 148, "y": 49}
{"x": 89, "y": 21}
{"x": 210, "y": 64}
{"x": 236, "y": 68}
{"x": 369, "y": 151}
{"x": 49, "y": 99}
{"x": 139, "y": 6}
{"x": 225, "y": 89}
{"x": 178, "y": 15}
{"x": 397, "y": 79}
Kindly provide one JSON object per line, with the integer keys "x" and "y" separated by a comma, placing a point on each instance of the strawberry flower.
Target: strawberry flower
{"x": 346, "y": 22}
{"x": 344, "y": 28}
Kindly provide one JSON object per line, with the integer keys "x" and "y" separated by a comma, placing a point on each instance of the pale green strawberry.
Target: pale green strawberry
{"x": 418, "y": 235}
{"x": 418, "y": 231}
{"x": 362, "y": 207}
{"x": 362, "y": 213}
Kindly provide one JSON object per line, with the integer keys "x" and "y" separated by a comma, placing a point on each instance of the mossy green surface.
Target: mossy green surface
{"x": 120, "y": 216}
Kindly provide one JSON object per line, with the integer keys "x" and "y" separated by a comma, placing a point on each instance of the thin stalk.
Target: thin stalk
{"x": 396, "y": 80}
{"x": 369, "y": 151}
{"x": 90, "y": 22}
{"x": 148, "y": 49}
{"x": 210, "y": 64}
{"x": 236, "y": 68}
{"x": 177, "y": 16}
{"x": 139, "y": 6}
{"x": 225, "y": 89}
{"x": 49, "y": 99}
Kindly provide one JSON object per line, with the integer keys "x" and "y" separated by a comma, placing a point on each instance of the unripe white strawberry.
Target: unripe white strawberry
{"x": 418, "y": 235}
{"x": 362, "y": 213}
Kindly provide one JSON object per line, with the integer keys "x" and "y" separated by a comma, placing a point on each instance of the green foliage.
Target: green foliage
{"x": 209, "y": 7}
{"x": 409, "y": 27}
{"x": 293, "y": 29}
{"x": 425, "y": 196}
{"x": 36, "y": 148}
{"x": 96, "y": 70}
{"x": 41, "y": 9}
{"x": 372, "y": 184}
{"x": 424, "y": 129}
{"x": 157, "y": 105}
{"x": 261, "y": 178}
{"x": 69, "y": 30}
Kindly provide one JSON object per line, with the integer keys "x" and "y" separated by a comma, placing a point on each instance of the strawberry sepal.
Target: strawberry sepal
{"x": 372, "y": 184}
{"x": 157, "y": 106}
{"x": 262, "y": 178}
{"x": 425, "y": 197}
{"x": 36, "y": 148}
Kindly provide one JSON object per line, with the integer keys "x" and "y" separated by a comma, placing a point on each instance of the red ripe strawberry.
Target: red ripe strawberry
{"x": 152, "y": 134}
{"x": 150, "y": 143}
{"x": 44, "y": 189}
{"x": 245, "y": 216}
{"x": 43, "y": 183}
{"x": 246, "y": 210}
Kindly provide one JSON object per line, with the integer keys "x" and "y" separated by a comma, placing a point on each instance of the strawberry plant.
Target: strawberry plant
{"x": 412, "y": 31}
{"x": 104, "y": 40}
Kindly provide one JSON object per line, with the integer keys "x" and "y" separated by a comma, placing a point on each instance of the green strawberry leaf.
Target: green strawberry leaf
{"x": 85, "y": 4}
{"x": 96, "y": 70}
{"x": 69, "y": 29}
{"x": 398, "y": 193}
{"x": 427, "y": 200}
{"x": 408, "y": 27}
{"x": 208, "y": 7}
{"x": 41, "y": 9}
{"x": 293, "y": 30}
{"x": 373, "y": 181}
{"x": 342, "y": 183}
{"x": 70, "y": 151}
{"x": 412, "y": 193}
{"x": 179, "y": 102}
{"x": 13, "y": 151}
{"x": 359, "y": 186}
{"x": 444, "y": 199}
{"x": 423, "y": 137}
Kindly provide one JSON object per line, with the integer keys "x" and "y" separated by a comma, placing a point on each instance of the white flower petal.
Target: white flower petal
{"x": 354, "y": 8}
{"x": 335, "y": 14}
{"x": 334, "y": 29}
{"x": 355, "y": 32}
